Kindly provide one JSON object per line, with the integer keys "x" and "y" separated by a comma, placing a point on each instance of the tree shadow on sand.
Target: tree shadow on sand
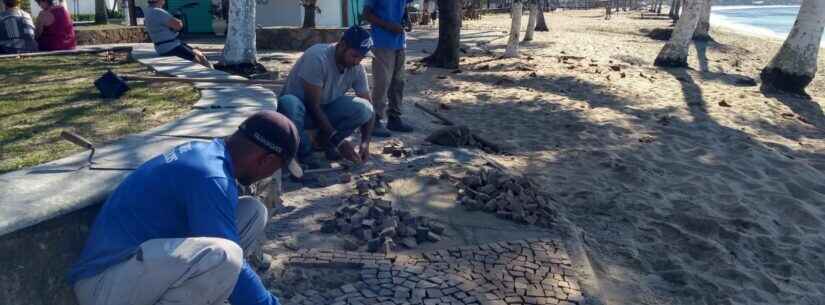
{"x": 697, "y": 178}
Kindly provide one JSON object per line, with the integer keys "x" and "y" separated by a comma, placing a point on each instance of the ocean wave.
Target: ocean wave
{"x": 744, "y": 7}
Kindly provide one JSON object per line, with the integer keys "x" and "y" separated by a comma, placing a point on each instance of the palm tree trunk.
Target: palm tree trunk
{"x": 541, "y": 24}
{"x": 449, "y": 31}
{"x": 310, "y": 6}
{"x": 515, "y": 27}
{"x": 794, "y": 66}
{"x": 425, "y": 13}
{"x": 101, "y": 14}
{"x": 675, "y": 51}
{"x": 531, "y": 21}
{"x": 703, "y": 28}
{"x": 240, "y": 46}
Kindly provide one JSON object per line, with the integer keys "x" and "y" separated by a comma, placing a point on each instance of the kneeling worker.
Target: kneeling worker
{"x": 314, "y": 97}
{"x": 163, "y": 29}
{"x": 175, "y": 232}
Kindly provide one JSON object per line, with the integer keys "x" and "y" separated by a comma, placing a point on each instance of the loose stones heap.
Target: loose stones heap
{"x": 372, "y": 222}
{"x": 509, "y": 196}
{"x": 397, "y": 149}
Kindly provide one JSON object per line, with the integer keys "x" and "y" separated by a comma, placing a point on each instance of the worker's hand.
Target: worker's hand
{"x": 395, "y": 28}
{"x": 347, "y": 150}
{"x": 364, "y": 151}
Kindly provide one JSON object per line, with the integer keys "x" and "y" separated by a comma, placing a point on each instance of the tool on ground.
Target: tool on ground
{"x": 113, "y": 86}
{"x": 82, "y": 142}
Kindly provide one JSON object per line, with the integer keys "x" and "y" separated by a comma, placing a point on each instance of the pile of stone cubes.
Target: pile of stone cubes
{"x": 507, "y": 195}
{"x": 398, "y": 149}
{"x": 370, "y": 222}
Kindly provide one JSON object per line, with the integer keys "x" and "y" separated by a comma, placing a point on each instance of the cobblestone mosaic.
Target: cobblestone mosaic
{"x": 524, "y": 272}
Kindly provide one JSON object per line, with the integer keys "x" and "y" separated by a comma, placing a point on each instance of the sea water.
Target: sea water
{"x": 771, "y": 21}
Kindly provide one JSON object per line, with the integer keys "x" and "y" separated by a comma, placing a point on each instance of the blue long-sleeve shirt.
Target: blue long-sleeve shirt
{"x": 189, "y": 191}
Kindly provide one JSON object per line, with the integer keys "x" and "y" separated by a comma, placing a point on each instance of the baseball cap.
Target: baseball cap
{"x": 276, "y": 133}
{"x": 358, "y": 38}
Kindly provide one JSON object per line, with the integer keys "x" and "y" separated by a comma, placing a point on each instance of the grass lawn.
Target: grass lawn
{"x": 40, "y": 96}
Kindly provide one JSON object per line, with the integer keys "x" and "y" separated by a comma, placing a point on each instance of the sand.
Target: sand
{"x": 680, "y": 186}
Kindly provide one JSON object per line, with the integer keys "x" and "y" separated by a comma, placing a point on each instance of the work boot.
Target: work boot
{"x": 379, "y": 130}
{"x": 395, "y": 124}
{"x": 332, "y": 153}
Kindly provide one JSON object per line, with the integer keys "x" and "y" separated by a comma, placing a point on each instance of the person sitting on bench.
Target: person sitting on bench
{"x": 16, "y": 30}
{"x": 54, "y": 28}
{"x": 164, "y": 29}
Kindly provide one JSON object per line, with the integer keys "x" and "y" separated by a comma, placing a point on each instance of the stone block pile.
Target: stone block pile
{"x": 507, "y": 195}
{"x": 372, "y": 223}
{"x": 397, "y": 149}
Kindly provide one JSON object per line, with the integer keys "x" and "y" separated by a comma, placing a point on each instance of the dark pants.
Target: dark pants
{"x": 183, "y": 51}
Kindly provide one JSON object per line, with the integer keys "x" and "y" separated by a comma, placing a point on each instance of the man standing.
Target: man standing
{"x": 314, "y": 97}
{"x": 386, "y": 17}
{"x": 175, "y": 232}
{"x": 163, "y": 30}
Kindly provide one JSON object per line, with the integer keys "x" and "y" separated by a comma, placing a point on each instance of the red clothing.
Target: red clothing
{"x": 60, "y": 34}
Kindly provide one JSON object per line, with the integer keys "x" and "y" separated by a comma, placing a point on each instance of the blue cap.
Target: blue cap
{"x": 358, "y": 38}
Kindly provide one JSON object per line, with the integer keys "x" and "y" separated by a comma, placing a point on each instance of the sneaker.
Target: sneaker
{"x": 395, "y": 124}
{"x": 379, "y": 130}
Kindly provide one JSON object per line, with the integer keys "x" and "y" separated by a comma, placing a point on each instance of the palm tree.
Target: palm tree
{"x": 531, "y": 21}
{"x": 449, "y": 30}
{"x": 310, "y": 8}
{"x": 515, "y": 27}
{"x": 703, "y": 28}
{"x": 794, "y": 66}
{"x": 675, "y": 51}
{"x": 101, "y": 13}
{"x": 541, "y": 24}
{"x": 240, "y": 46}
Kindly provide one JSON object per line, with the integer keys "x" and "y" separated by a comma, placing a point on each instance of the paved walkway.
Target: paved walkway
{"x": 534, "y": 272}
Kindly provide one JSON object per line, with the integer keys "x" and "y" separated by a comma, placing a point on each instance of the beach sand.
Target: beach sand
{"x": 678, "y": 186}
{"x": 683, "y": 186}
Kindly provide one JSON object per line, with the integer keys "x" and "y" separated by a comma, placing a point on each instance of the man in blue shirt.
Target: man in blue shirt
{"x": 386, "y": 17}
{"x": 175, "y": 231}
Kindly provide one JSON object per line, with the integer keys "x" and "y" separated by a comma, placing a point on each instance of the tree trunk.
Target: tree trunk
{"x": 240, "y": 37}
{"x": 515, "y": 28}
{"x": 531, "y": 21}
{"x": 310, "y": 6}
{"x": 541, "y": 24}
{"x": 703, "y": 27}
{"x": 794, "y": 66}
{"x": 425, "y": 12}
{"x": 675, "y": 51}
{"x": 449, "y": 30}
{"x": 101, "y": 13}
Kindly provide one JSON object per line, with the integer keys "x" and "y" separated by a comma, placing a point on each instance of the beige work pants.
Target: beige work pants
{"x": 192, "y": 271}
{"x": 388, "y": 74}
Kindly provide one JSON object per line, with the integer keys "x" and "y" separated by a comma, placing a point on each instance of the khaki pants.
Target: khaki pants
{"x": 192, "y": 271}
{"x": 388, "y": 74}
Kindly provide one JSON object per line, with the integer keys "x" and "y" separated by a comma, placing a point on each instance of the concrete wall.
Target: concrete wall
{"x": 134, "y": 34}
{"x": 294, "y": 38}
{"x": 35, "y": 260}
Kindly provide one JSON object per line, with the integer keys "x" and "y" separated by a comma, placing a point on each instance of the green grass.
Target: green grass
{"x": 40, "y": 96}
